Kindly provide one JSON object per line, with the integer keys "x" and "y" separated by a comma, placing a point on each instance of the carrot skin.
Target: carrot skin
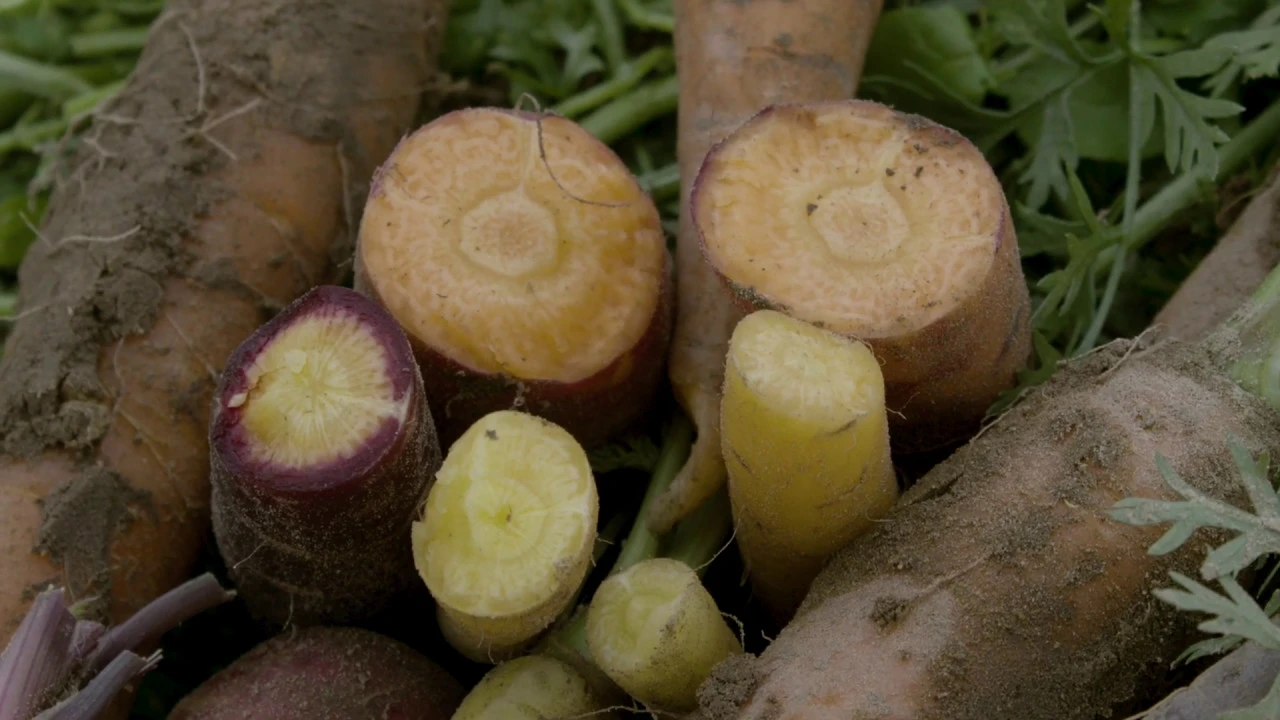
{"x": 322, "y": 544}
{"x": 733, "y": 59}
{"x": 130, "y": 335}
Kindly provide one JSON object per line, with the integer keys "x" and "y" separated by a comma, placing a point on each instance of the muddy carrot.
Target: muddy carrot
{"x": 237, "y": 156}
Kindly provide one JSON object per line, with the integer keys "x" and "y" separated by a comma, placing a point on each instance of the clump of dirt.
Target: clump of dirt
{"x": 728, "y": 687}
{"x": 80, "y": 518}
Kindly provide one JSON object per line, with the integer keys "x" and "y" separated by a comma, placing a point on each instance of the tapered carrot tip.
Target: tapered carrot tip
{"x": 321, "y": 450}
{"x": 881, "y": 226}
{"x": 531, "y": 687}
{"x": 507, "y": 533}
{"x": 527, "y": 265}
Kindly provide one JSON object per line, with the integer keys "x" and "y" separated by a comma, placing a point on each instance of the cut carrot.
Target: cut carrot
{"x": 733, "y": 59}
{"x": 884, "y": 227}
{"x": 528, "y": 268}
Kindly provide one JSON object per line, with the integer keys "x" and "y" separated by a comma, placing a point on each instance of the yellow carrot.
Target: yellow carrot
{"x": 806, "y": 443}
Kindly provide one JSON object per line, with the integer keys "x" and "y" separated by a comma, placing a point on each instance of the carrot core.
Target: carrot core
{"x": 514, "y": 244}
{"x": 510, "y": 234}
{"x": 317, "y": 392}
{"x": 851, "y": 219}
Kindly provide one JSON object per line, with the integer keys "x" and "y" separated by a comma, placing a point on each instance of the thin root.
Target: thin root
{"x": 742, "y": 629}
{"x": 542, "y": 154}
{"x": 724, "y": 547}
{"x": 213, "y": 374}
{"x": 245, "y": 559}
{"x": 1129, "y": 350}
{"x": 201, "y": 82}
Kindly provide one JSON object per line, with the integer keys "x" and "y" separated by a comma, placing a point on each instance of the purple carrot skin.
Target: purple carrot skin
{"x": 68, "y": 669}
{"x": 539, "y": 281}
{"x": 144, "y": 630}
{"x": 326, "y": 673}
{"x": 103, "y": 689}
{"x": 322, "y": 449}
{"x": 36, "y": 659}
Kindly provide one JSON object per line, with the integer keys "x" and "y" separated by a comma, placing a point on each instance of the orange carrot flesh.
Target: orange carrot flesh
{"x": 881, "y": 226}
{"x": 734, "y": 59}
{"x": 522, "y": 257}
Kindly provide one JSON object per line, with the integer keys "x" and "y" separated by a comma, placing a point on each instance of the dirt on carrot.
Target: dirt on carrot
{"x": 220, "y": 183}
{"x": 1012, "y": 593}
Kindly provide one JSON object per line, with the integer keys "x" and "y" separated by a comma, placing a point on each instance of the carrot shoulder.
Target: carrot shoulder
{"x": 734, "y": 59}
{"x": 222, "y": 183}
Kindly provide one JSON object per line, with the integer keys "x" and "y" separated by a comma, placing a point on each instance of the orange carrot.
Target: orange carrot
{"x": 733, "y": 59}
{"x": 224, "y": 181}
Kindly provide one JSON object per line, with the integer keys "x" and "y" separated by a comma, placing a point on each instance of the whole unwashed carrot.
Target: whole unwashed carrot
{"x": 733, "y": 59}
{"x": 220, "y": 184}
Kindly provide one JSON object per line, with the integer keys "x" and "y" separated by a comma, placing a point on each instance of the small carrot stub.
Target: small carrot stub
{"x": 322, "y": 451}
{"x": 531, "y": 687}
{"x": 806, "y": 444}
{"x": 657, "y": 632}
{"x": 506, "y": 537}
{"x": 882, "y": 226}
{"x": 528, "y": 267}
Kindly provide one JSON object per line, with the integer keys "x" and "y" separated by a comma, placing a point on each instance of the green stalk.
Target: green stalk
{"x": 628, "y": 113}
{"x": 568, "y": 642}
{"x": 646, "y": 19}
{"x": 43, "y": 80}
{"x": 661, "y": 184}
{"x": 109, "y": 42}
{"x": 626, "y": 78}
{"x": 1144, "y": 224}
{"x": 696, "y": 540}
{"x": 1133, "y": 177}
{"x": 613, "y": 44}
{"x": 1186, "y": 189}
{"x": 26, "y": 137}
{"x": 642, "y": 543}
{"x": 87, "y": 102}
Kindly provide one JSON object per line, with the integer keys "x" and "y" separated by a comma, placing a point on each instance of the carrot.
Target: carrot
{"x": 1004, "y": 584}
{"x": 881, "y": 226}
{"x": 655, "y": 630}
{"x": 1233, "y": 269}
{"x": 532, "y": 687}
{"x": 325, "y": 673}
{"x": 539, "y": 279}
{"x": 222, "y": 182}
{"x": 506, "y": 537}
{"x": 322, "y": 451}
{"x": 732, "y": 60}
{"x": 806, "y": 442}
